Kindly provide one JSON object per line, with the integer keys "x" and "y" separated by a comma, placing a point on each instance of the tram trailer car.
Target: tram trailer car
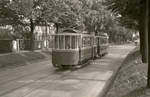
{"x": 71, "y": 48}
{"x": 102, "y": 45}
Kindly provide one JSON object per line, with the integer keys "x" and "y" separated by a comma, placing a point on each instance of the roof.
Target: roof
{"x": 70, "y": 30}
{"x": 68, "y": 34}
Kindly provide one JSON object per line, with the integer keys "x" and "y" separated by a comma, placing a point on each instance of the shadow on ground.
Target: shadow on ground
{"x": 23, "y": 58}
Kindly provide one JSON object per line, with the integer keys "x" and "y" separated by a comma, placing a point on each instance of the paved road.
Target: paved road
{"x": 43, "y": 80}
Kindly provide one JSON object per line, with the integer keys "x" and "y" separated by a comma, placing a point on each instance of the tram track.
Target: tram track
{"x": 13, "y": 74}
{"x": 25, "y": 81}
{"x": 12, "y": 70}
{"x": 6, "y": 85}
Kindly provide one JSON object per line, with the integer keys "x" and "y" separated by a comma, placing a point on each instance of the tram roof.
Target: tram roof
{"x": 67, "y": 34}
{"x": 78, "y": 34}
{"x": 73, "y": 34}
{"x": 70, "y": 30}
{"x": 102, "y": 36}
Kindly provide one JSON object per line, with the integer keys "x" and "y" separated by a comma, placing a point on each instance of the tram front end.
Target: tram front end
{"x": 65, "y": 50}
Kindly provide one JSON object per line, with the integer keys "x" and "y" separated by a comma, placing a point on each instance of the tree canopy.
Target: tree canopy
{"x": 132, "y": 14}
{"x": 78, "y": 14}
{"x": 127, "y": 11}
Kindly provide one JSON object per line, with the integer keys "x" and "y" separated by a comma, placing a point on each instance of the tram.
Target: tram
{"x": 72, "y": 48}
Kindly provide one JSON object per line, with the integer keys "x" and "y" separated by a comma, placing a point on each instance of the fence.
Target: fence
{"x": 38, "y": 44}
{"x": 23, "y": 44}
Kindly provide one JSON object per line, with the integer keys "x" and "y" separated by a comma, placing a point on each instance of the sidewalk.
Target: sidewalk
{"x": 45, "y": 81}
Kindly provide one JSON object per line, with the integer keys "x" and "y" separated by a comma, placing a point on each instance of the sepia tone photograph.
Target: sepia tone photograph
{"x": 74, "y": 48}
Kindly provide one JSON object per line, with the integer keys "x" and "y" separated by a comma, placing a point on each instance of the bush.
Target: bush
{"x": 6, "y": 34}
{"x": 5, "y": 46}
{"x": 5, "y": 40}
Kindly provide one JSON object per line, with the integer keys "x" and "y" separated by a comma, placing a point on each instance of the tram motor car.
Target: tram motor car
{"x": 72, "y": 48}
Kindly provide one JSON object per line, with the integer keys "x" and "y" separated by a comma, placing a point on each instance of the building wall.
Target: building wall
{"x": 42, "y": 32}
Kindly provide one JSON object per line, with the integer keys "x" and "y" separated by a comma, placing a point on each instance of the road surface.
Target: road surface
{"x": 43, "y": 80}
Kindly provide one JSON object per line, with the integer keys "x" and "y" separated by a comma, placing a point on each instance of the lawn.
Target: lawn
{"x": 131, "y": 79}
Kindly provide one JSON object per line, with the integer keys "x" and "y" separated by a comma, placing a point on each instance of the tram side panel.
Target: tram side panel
{"x": 86, "y": 53}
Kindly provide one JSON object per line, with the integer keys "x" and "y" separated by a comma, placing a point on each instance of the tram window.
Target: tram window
{"x": 53, "y": 42}
{"x": 86, "y": 41}
{"x": 83, "y": 42}
{"x": 103, "y": 40}
{"x": 89, "y": 41}
{"x": 77, "y": 41}
{"x": 96, "y": 41}
{"x": 61, "y": 42}
{"x": 100, "y": 41}
{"x": 67, "y": 42}
{"x": 73, "y": 42}
{"x": 56, "y": 42}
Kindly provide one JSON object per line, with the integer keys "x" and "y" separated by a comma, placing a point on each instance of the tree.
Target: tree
{"x": 131, "y": 14}
{"x": 32, "y": 12}
{"x": 138, "y": 12}
{"x": 7, "y": 14}
{"x": 148, "y": 39}
{"x": 89, "y": 15}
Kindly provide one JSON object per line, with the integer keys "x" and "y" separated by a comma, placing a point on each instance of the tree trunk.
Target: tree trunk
{"x": 31, "y": 35}
{"x": 147, "y": 30}
{"x": 142, "y": 32}
{"x": 143, "y": 45}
